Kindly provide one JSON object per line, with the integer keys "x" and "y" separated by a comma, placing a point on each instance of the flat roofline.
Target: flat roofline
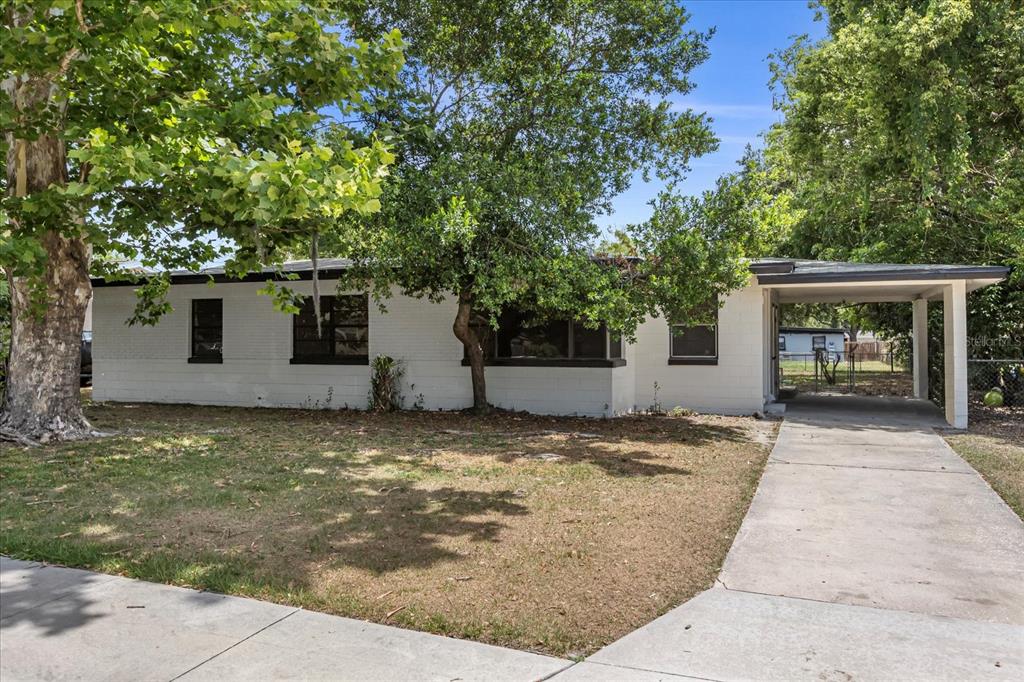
{"x": 221, "y": 278}
{"x": 905, "y": 274}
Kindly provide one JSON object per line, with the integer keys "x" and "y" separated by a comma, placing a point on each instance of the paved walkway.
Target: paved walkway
{"x": 871, "y": 551}
{"x": 61, "y": 623}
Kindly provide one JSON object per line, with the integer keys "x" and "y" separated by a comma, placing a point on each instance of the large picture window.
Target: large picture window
{"x": 521, "y": 340}
{"x": 344, "y": 331}
{"x": 695, "y": 344}
{"x": 207, "y": 330}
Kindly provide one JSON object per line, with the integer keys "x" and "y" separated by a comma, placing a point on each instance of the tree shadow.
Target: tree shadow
{"x": 31, "y": 596}
{"x": 407, "y": 527}
{"x": 355, "y": 511}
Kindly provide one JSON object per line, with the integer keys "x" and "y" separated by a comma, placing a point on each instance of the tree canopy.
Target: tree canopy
{"x": 520, "y": 122}
{"x": 903, "y": 141}
{"x": 158, "y": 132}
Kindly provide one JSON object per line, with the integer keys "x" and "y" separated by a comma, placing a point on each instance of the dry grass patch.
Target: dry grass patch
{"x": 555, "y": 534}
{"x": 994, "y": 445}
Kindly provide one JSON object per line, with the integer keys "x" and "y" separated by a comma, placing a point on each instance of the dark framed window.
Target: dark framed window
{"x": 782, "y": 342}
{"x": 344, "y": 334}
{"x": 818, "y": 342}
{"x": 614, "y": 345}
{"x": 522, "y": 340}
{"x": 695, "y": 344}
{"x": 207, "y": 338}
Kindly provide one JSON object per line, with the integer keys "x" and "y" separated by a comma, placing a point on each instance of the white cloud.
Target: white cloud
{"x": 737, "y": 111}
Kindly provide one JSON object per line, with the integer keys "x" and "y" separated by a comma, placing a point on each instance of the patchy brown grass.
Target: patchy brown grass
{"x": 553, "y": 534}
{"x": 994, "y": 445}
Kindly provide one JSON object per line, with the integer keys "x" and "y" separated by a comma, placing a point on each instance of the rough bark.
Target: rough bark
{"x": 464, "y": 332}
{"x": 42, "y": 400}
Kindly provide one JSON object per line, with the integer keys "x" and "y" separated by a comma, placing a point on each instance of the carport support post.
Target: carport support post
{"x": 920, "y": 350}
{"x": 954, "y": 323}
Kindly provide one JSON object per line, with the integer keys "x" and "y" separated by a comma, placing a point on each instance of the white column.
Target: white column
{"x": 920, "y": 348}
{"x": 767, "y": 382}
{"x": 954, "y": 314}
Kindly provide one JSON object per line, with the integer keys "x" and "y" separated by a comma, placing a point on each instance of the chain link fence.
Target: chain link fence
{"x": 995, "y": 384}
{"x": 868, "y": 373}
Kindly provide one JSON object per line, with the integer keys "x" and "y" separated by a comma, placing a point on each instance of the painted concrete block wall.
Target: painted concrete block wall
{"x": 733, "y": 386}
{"x": 150, "y": 363}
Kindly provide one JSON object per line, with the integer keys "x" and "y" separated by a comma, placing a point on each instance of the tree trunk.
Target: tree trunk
{"x": 464, "y": 332}
{"x": 41, "y": 401}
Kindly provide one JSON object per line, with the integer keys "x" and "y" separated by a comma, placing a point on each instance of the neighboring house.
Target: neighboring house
{"x": 224, "y": 344}
{"x": 799, "y": 342}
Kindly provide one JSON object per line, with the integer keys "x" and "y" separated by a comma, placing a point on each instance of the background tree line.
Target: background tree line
{"x": 902, "y": 142}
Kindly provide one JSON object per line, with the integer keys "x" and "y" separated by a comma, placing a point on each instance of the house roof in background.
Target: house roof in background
{"x": 811, "y": 330}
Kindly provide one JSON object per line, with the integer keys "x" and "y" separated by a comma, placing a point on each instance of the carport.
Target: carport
{"x": 804, "y": 281}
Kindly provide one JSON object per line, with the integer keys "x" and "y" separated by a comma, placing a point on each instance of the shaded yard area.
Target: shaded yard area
{"x": 994, "y": 445}
{"x": 551, "y": 534}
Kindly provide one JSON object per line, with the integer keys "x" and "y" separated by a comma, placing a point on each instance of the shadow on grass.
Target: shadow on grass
{"x": 407, "y": 527}
{"x": 226, "y": 501}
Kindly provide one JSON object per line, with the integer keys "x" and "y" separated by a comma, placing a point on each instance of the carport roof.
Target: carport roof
{"x": 793, "y": 271}
{"x": 812, "y": 281}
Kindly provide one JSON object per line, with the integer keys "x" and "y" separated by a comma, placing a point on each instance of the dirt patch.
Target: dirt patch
{"x": 553, "y": 534}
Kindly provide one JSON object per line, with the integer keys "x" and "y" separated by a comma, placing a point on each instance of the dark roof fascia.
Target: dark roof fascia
{"x": 966, "y": 272}
{"x": 221, "y": 278}
{"x": 811, "y": 330}
{"x": 771, "y": 268}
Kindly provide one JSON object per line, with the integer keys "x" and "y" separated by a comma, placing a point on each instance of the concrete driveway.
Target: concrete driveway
{"x": 870, "y": 551}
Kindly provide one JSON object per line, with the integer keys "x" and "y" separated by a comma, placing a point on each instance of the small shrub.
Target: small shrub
{"x": 385, "y": 384}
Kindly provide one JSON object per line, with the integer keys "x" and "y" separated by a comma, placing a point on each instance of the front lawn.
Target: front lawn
{"x": 552, "y": 534}
{"x": 994, "y": 445}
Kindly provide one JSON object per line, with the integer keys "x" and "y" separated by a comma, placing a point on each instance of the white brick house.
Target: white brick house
{"x": 224, "y": 344}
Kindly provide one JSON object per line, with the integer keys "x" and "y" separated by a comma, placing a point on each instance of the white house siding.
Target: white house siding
{"x": 150, "y": 363}
{"x": 733, "y": 386}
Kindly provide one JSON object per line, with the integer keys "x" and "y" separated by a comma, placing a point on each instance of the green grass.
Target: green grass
{"x": 440, "y": 522}
{"x": 995, "y": 447}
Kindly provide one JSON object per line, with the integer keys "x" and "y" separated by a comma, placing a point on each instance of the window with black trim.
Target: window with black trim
{"x": 522, "y": 340}
{"x": 818, "y": 342}
{"x": 614, "y": 345}
{"x": 694, "y": 344}
{"x": 344, "y": 334}
{"x": 207, "y": 330}
{"x": 782, "y": 342}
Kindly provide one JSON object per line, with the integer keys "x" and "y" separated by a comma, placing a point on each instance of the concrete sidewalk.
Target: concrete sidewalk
{"x": 60, "y": 624}
{"x": 871, "y": 551}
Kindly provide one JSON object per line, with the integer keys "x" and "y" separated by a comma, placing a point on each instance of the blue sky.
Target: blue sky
{"x": 731, "y": 86}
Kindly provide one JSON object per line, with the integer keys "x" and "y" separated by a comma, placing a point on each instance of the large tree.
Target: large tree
{"x": 151, "y": 132}
{"x": 903, "y": 141}
{"x": 521, "y": 121}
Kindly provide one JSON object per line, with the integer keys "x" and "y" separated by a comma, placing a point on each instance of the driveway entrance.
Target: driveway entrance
{"x": 870, "y": 551}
